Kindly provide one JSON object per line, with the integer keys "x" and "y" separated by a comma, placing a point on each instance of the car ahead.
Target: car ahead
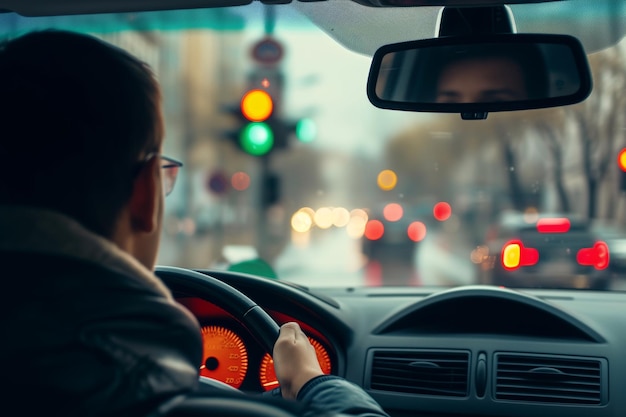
{"x": 545, "y": 251}
{"x": 363, "y": 114}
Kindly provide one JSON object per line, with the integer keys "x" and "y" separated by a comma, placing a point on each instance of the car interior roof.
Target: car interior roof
{"x": 364, "y": 29}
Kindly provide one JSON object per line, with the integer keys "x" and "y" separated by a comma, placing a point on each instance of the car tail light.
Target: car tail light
{"x": 553, "y": 225}
{"x": 514, "y": 255}
{"x": 374, "y": 230}
{"x": 597, "y": 256}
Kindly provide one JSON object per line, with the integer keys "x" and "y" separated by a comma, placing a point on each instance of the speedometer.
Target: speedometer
{"x": 267, "y": 374}
{"x": 224, "y": 356}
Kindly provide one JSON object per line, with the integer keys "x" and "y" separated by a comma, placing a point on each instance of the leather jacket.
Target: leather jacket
{"x": 86, "y": 329}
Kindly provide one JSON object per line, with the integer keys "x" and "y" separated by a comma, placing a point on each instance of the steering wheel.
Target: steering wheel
{"x": 254, "y": 318}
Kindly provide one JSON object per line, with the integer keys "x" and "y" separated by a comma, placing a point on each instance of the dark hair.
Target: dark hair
{"x": 76, "y": 116}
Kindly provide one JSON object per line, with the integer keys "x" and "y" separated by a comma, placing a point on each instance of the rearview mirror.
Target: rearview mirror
{"x": 480, "y": 74}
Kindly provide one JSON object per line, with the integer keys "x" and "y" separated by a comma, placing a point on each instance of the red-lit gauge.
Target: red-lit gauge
{"x": 267, "y": 374}
{"x": 224, "y": 356}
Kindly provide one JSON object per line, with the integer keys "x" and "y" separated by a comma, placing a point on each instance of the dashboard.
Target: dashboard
{"x": 471, "y": 351}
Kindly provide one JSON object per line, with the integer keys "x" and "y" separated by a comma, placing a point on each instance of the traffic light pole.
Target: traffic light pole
{"x": 264, "y": 237}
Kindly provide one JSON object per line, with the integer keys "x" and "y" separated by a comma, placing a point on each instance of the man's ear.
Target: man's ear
{"x": 144, "y": 200}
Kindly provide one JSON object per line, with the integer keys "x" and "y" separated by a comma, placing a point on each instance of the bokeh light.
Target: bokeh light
{"x": 416, "y": 231}
{"x": 442, "y": 211}
{"x": 393, "y": 212}
{"x": 479, "y": 254}
{"x": 531, "y": 215}
{"x": 341, "y": 216}
{"x": 374, "y": 230}
{"x": 240, "y": 181}
{"x": 359, "y": 213}
{"x": 387, "y": 180}
{"x": 356, "y": 226}
{"x": 306, "y": 130}
{"x": 301, "y": 221}
{"x": 323, "y": 217}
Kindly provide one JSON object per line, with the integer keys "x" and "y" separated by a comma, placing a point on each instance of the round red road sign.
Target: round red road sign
{"x": 267, "y": 51}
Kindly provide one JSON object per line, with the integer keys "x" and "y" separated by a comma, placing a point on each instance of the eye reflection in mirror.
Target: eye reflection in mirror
{"x": 489, "y": 75}
{"x": 481, "y": 81}
{"x": 495, "y": 73}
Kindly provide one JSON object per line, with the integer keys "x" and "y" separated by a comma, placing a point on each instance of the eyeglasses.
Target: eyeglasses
{"x": 170, "y": 169}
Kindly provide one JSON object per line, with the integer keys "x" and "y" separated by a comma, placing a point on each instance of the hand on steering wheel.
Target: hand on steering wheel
{"x": 253, "y": 317}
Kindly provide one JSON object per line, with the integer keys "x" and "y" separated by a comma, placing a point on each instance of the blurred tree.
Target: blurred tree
{"x": 599, "y": 121}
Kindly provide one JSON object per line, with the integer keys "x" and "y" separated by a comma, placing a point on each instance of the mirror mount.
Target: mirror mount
{"x": 479, "y": 115}
{"x": 468, "y": 21}
{"x": 464, "y": 21}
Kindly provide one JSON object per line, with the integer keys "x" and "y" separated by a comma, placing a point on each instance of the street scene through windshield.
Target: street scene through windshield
{"x": 303, "y": 180}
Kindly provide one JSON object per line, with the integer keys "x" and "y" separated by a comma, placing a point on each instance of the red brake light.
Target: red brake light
{"x": 554, "y": 225}
{"x": 597, "y": 256}
{"x": 442, "y": 211}
{"x": 374, "y": 230}
{"x": 416, "y": 231}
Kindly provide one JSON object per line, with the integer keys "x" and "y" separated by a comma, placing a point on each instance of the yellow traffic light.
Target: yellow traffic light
{"x": 257, "y": 105}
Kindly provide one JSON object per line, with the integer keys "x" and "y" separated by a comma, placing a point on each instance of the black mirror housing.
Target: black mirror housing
{"x": 480, "y": 74}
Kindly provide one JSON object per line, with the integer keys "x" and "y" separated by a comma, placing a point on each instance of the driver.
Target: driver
{"x": 87, "y": 328}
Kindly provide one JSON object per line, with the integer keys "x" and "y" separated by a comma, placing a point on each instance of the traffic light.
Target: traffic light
{"x": 257, "y": 105}
{"x": 259, "y": 127}
{"x": 306, "y": 130}
{"x": 256, "y": 138}
{"x": 259, "y": 130}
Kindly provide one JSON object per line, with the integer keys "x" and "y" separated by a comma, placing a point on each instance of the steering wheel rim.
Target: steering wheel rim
{"x": 254, "y": 318}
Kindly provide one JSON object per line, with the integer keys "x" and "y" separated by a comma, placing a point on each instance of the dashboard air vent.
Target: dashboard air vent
{"x": 425, "y": 372}
{"x": 549, "y": 379}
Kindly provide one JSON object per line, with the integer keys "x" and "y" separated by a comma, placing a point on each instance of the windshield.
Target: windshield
{"x": 331, "y": 191}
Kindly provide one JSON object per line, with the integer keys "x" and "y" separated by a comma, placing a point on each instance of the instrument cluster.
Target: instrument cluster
{"x": 232, "y": 355}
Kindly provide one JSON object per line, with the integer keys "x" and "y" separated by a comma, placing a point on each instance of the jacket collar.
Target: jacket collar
{"x": 28, "y": 229}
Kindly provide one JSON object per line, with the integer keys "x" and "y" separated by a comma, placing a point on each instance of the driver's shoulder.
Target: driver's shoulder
{"x": 68, "y": 319}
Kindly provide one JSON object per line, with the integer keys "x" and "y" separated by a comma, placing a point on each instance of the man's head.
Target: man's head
{"x": 79, "y": 120}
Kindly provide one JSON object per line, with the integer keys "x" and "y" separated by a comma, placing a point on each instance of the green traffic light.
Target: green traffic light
{"x": 257, "y": 138}
{"x": 306, "y": 131}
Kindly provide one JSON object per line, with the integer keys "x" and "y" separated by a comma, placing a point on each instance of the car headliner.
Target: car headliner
{"x": 597, "y": 23}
